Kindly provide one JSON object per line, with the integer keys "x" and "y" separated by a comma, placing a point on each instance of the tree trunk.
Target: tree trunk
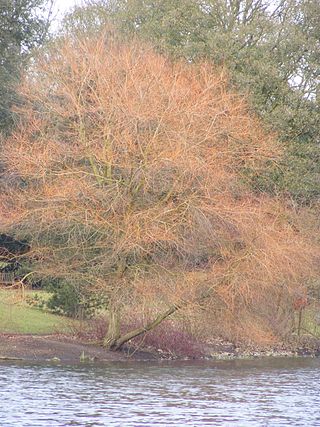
{"x": 114, "y": 308}
{"x": 121, "y": 340}
{"x": 113, "y": 333}
{"x": 299, "y": 322}
{"x": 116, "y": 344}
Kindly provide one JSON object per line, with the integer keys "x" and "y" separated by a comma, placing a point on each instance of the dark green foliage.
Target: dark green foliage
{"x": 8, "y": 245}
{"x": 11, "y": 252}
{"x": 23, "y": 25}
{"x": 64, "y": 300}
{"x": 71, "y": 300}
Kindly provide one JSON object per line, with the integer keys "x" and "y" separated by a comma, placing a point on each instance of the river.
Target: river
{"x": 267, "y": 392}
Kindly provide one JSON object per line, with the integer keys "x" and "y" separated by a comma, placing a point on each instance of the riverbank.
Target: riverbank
{"x": 66, "y": 349}
{"x": 52, "y": 348}
{"x": 58, "y": 348}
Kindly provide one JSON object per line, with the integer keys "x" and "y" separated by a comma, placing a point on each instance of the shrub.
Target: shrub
{"x": 171, "y": 339}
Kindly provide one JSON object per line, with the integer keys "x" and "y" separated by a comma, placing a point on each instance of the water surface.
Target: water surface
{"x": 277, "y": 392}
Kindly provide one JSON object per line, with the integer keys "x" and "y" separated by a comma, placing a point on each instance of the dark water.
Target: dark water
{"x": 283, "y": 392}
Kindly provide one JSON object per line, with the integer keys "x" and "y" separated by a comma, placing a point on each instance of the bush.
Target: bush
{"x": 94, "y": 329}
{"x": 69, "y": 300}
{"x": 169, "y": 339}
{"x": 64, "y": 300}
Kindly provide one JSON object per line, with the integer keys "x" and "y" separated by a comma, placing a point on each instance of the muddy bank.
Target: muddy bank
{"x": 62, "y": 349}
{"x": 53, "y": 348}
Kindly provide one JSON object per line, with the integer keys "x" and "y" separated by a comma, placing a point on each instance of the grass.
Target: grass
{"x": 17, "y": 317}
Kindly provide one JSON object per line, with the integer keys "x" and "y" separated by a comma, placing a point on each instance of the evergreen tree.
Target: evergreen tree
{"x": 23, "y": 25}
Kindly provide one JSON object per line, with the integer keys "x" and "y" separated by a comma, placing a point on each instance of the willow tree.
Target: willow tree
{"x": 130, "y": 179}
{"x": 271, "y": 49}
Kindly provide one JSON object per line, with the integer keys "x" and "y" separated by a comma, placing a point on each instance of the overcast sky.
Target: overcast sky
{"x": 62, "y": 6}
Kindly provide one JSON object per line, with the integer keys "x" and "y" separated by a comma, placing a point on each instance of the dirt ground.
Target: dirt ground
{"x": 68, "y": 350}
{"x": 53, "y": 348}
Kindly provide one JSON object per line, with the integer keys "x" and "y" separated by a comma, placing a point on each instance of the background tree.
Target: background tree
{"x": 271, "y": 49}
{"x": 23, "y": 25}
{"x": 130, "y": 179}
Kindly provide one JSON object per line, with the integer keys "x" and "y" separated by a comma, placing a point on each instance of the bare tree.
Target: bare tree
{"x": 129, "y": 178}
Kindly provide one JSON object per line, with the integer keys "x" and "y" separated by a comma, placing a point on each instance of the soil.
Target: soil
{"x": 68, "y": 350}
{"x": 53, "y": 348}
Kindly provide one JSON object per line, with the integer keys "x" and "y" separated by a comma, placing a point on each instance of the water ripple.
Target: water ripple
{"x": 252, "y": 393}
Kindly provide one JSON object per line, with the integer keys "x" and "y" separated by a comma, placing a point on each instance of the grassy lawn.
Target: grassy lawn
{"x": 17, "y": 317}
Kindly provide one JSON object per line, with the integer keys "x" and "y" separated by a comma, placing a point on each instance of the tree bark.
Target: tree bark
{"x": 121, "y": 340}
{"x": 113, "y": 333}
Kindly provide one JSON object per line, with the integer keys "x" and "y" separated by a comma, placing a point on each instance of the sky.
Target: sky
{"x": 62, "y": 6}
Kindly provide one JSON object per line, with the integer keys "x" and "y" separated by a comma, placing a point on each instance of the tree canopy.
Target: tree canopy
{"x": 271, "y": 50}
{"x": 23, "y": 24}
{"x": 129, "y": 177}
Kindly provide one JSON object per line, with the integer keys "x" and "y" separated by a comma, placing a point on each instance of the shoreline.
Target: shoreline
{"x": 61, "y": 349}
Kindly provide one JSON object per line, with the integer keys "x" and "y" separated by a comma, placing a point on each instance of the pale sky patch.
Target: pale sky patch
{"x": 60, "y": 7}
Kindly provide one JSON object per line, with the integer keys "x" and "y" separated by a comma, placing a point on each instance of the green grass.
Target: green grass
{"x": 17, "y": 317}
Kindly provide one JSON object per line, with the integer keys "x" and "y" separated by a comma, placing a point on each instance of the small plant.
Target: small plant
{"x": 69, "y": 300}
{"x": 64, "y": 299}
{"x": 85, "y": 358}
{"x": 37, "y": 301}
